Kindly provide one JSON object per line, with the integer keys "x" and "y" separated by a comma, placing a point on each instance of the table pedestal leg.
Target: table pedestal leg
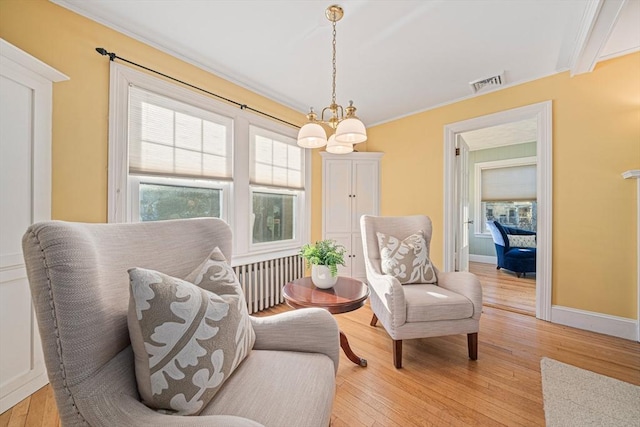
{"x": 344, "y": 343}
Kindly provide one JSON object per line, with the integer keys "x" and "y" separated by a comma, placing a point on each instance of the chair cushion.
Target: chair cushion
{"x": 521, "y": 253}
{"x": 187, "y": 340}
{"x": 522, "y": 240}
{"x": 279, "y": 388}
{"x": 407, "y": 260}
{"x": 426, "y": 303}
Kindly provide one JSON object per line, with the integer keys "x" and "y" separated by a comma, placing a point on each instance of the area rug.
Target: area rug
{"x": 576, "y": 397}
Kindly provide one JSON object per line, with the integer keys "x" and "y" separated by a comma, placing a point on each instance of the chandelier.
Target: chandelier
{"x": 348, "y": 128}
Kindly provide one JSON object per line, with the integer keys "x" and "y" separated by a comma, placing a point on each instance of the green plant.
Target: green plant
{"x": 324, "y": 252}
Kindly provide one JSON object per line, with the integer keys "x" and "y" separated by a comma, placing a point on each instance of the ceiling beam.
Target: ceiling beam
{"x": 598, "y": 22}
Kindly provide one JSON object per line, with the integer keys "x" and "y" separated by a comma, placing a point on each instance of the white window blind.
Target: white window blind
{"x": 276, "y": 160}
{"x": 509, "y": 183}
{"x": 170, "y": 138}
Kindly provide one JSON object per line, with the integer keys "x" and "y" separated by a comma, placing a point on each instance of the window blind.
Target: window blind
{"x": 276, "y": 160}
{"x": 509, "y": 183}
{"x": 171, "y": 138}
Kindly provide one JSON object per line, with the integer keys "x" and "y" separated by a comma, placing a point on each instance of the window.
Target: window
{"x": 174, "y": 153}
{"x": 277, "y": 185}
{"x": 179, "y": 157}
{"x": 506, "y": 192}
{"x": 160, "y": 198}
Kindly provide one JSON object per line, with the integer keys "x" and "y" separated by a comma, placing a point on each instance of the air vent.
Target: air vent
{"x": 489, "y": 82}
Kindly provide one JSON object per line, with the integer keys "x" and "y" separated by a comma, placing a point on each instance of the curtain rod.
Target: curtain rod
{"x": 112, "y": 57}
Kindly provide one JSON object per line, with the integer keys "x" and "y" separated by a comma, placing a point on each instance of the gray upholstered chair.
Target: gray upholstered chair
{"x": 79, "y": 282}
{"x": 449, "y": 307}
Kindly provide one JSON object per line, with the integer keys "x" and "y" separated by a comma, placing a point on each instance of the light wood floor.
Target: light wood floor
{"x": 503, "y": 289}
{"x": 439, "y": 385}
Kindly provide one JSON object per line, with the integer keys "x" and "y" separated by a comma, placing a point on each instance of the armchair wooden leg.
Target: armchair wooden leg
{"x": 374, "y": 320}
{"x": 472, "y": 341}
{"x": 397, "y": 353}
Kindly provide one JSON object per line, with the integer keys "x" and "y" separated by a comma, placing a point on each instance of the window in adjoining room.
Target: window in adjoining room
{"x": 506, "y": 192}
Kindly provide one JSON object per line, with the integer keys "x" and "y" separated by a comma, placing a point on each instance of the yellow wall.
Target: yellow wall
{"x": 67, "y": 42}
{"x": 596, "y": 137}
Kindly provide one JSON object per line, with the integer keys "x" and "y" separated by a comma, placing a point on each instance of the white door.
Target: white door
{"x": 364, "y": 192}
{"x": 462, "y": 197}
{"x": 358, "y": 269}
{"x": 25, "y": 197}
{"x": 338, "y": 200}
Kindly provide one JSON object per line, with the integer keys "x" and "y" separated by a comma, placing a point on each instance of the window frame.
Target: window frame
{"x": 236, "y": 193}
{"x": 134, "y": 181}
{"x": 262, "y": 247}
{"x": 300, "y": 193}
{"x": 479, "y": 226}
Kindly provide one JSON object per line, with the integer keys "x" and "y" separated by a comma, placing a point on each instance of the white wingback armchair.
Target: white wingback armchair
{"x": 449, "y": 307}
{"x": 80, "y": 287}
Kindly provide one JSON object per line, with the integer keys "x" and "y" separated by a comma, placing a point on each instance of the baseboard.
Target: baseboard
{"x": 620, "y": 327}
{"x": 485, "y": 259}
{"x": 14, "y": 397}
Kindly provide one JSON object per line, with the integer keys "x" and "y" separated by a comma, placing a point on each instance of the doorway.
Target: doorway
{"x": 455, "y": 220}
{"x": 501, "y": 181}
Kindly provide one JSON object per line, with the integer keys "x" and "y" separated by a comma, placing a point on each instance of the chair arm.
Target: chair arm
{"x": 311, "y": 330}
{"x": 463, "y": 283}
{"x": 390, "y": 292}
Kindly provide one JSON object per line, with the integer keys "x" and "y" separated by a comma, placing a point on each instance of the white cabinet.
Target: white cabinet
{"x": 350, "y": 189}
{"x": 25, "y": 197}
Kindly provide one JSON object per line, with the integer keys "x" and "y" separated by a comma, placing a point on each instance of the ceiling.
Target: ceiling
{"x": 394, "y": 58}
{"x": 518, "y": 132}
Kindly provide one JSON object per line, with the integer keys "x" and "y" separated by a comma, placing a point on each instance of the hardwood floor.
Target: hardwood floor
{"x": 503, "y": 289}
{"x": 439, "y": 385}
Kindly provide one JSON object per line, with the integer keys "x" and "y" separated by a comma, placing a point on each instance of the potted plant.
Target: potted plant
{"x": 323, "y": 257}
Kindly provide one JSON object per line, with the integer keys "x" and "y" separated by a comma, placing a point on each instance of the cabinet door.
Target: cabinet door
{"x": 365, "y": 189}
{"x": 344, "y": 239}
{"x": 358, "y": 270}
{"x": 337, "y": 209}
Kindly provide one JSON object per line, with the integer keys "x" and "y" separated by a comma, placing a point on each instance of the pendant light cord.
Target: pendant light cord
{"x": 112, "y": 57}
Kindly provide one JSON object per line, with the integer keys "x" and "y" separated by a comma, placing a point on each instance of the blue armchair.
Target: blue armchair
{"x": 519, "y": 255}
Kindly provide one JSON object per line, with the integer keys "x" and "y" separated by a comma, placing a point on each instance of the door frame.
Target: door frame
{"x": 542, "y": 112}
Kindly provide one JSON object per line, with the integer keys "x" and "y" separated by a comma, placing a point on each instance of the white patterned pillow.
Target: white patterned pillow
{"x": 406, "y": 260}
{"x": 186, "y": 340}
{"x": 522, "y": 240}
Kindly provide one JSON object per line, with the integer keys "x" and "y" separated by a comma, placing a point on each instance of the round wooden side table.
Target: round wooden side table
{"x": 346, "y": 295}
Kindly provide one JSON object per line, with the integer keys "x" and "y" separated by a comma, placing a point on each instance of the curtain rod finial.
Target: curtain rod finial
{"x": 102, "y": 51}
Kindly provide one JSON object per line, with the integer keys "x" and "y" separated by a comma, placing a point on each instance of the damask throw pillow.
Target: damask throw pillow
{"x": 522, "y": 240}
{"x": 407, "y": 260}
{"x": 187, "y": 340}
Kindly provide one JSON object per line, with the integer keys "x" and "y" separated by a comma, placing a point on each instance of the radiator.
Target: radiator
{"x": 262, "y": 281}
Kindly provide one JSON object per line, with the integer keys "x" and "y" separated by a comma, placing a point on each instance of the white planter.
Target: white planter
{"x": 321, "y": 276}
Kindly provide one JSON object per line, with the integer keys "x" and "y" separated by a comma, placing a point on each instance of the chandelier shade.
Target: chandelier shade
{"x": 312, "y": 135}
{"x": 349, "y": 129}
{"x": 336, "y": 147}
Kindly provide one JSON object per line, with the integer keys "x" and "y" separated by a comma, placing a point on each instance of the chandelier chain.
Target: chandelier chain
{"x": 333, "y": 96}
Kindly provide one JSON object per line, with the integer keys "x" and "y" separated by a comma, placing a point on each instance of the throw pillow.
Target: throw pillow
{"x": 407, "y": 260}
{"x": 186, "y": 340}
{"x": 522, "y": 240}
{"x": 216, "y": 275}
